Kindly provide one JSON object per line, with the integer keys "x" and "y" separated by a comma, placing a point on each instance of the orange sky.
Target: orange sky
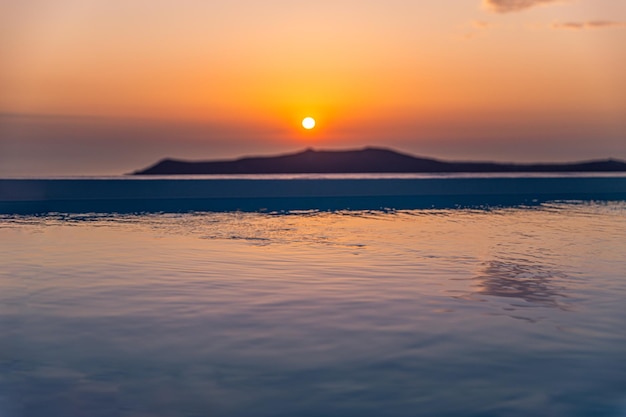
{"x": 462, "y": 79}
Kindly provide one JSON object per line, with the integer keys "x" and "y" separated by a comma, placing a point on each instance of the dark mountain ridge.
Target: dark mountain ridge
{"x": 367, "y": 160}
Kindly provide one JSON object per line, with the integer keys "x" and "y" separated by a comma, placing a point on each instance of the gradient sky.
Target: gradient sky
{"x": 110, "y": 86}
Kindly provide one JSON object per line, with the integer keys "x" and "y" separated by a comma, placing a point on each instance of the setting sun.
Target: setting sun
{"x": 308, "y": 123}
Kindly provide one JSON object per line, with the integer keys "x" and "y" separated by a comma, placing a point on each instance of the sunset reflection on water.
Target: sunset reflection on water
{"x": 315, "y": 313}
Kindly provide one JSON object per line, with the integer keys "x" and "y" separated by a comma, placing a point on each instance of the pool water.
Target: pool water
{"x": 516, "y": 311}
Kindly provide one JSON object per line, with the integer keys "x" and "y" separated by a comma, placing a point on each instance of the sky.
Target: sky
{"x": 105, "y": 87}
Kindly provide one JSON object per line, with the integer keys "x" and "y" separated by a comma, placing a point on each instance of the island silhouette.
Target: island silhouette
{"x": 366, "y": 160}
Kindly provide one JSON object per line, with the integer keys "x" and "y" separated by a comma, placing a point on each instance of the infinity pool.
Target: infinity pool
{"x": 465, "y": 312}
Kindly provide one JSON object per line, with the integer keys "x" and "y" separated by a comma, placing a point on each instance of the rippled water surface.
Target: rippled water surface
{"x": 501, "y": 312}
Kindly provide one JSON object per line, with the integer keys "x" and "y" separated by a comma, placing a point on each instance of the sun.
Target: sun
{"x": 308, "y": 123}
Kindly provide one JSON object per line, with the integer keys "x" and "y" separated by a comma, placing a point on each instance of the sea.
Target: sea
{"x": 478, "y": 310}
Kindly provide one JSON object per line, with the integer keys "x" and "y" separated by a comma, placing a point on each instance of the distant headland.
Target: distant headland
{"x": 367, "y": 160}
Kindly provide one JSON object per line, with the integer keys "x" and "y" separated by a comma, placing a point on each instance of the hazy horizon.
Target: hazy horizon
{"x": 58, "y": 145}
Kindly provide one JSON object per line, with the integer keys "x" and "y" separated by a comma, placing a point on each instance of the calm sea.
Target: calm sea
{"x": 517, "y": 311}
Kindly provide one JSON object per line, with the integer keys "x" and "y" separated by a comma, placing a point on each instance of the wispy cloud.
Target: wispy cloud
{"x": 476, "y": 28}
{"x": 506, "y": 6}
{"x": 592, "y": 24}
{"x": 480, "y": 24}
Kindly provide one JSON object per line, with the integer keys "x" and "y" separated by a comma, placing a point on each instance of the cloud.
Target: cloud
{"x": 592, "y": 24}
{"x": 506, "y": 6}
{"x": 479, "y": 24}
{"x": 476, "y": 28}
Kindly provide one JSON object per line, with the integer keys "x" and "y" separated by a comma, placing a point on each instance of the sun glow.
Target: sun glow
{"x": 308, "y": 123}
